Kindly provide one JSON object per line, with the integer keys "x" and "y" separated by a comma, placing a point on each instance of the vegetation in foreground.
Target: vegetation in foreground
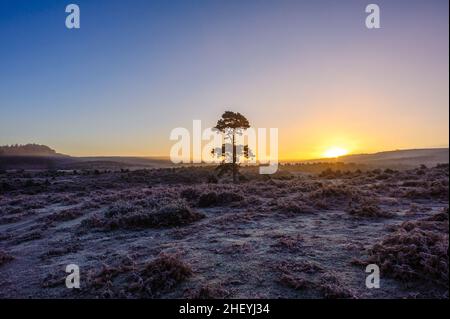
{"x": 185, "y": 233}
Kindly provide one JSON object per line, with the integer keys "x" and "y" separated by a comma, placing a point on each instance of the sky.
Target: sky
{"x": 135, "y": 70}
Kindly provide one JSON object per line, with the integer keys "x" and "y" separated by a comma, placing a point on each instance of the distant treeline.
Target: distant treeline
{"x": 319, "y": 167}
{"x": 26, "y": 150}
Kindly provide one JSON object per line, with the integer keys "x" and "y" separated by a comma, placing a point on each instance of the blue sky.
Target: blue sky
{"x": 137, "y": 69}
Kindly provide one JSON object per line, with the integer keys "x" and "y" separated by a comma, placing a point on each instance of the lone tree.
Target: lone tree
{"x": 231, "y": 124}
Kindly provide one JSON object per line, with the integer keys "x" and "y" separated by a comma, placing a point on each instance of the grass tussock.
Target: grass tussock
{"x": 211, "y": 199}
{"x": 208, "y": 291}
{"x": 127, "y": 216}
{"x": 311, "y": 277}
{"x": 332, "y": 287}
{"x": 63, "y": 216}
{"x": 5, "y": 257}
{"x": 369, "y": 210}
{"x": 416, "y": 250}
{"x": 147, "y": 280}
{"x": 334, "y": 196}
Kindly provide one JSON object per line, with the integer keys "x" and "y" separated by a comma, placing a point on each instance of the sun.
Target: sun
{"x": 335, "y": 152}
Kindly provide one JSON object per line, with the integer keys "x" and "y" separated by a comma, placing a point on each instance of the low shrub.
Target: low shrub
{"x": 5, "y": 257}
{"x": 147, "y": 280}
{"x": 177, "y": 213}
{"x": 210, "y": 199}
{"x": 369, "y": 210}
{"x": 416, "y": 250}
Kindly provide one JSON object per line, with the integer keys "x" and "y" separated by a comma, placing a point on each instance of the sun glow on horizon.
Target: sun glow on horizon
{"x": 335, "y": 152}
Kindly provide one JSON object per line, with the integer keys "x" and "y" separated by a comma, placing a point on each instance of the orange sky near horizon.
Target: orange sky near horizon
{"x": 312, "y": 69}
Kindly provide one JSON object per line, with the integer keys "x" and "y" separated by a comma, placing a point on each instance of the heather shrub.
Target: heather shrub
{"x": 120, "y": 208}
{"x": 290, "y": 243}
{"x": 163, "y": 274}
{"x": 370, "y": 210}
{"x": 54, "y": 279}
{"x": 30, "y": 236}
{"x": 435, "y": 189}
{"x": 210, "y": 199}
{"x": 208, "y": 291}
{"x": 439, "y": 217}
{"x": 177, "y": 213}
{"x": 147, "y": 280}
{"x": 291, "y": 207}
{"x": 190, "y": 193}
{"x": 64, "y": 215}
{"x": 60, "y": 251}
{"x": 333, "y": 288}
{"x": 5, "y": 257}
{"x": 416, "y": 250}
{"x": 330, "y": 174}
{"x": 304, "y": 266}
{"x": 334, "y": 195}
{"x": 297, "y": 282}
{"x": 311, "y": 276}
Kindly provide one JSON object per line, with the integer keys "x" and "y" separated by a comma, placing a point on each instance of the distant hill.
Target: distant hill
{"x": 41, "y": 157}
{"x": 117, "y": 162}
{"x": 80, "y": 163}
{"x": 27, "y": 150}
{"x": 395, "y": 159}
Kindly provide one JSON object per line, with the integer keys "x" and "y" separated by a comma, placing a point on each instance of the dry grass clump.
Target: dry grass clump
{"x": 439, "y": 217}
{"x": 330, "y": 196}
{"x": 208, "y": 291}
{"x": 370, "y": 210}
{"x": 120, "y": 208}
{"x": 60, "y": 251}
{"x": 7, "y": 209}
{"x": 305, "y": 266}
{"x": 329, "y": 173}
{"x": 148, "y": 280}
{"x": 432, "y": 190}
{"x": 162, "y": 274}
{"x": 176, "y": 214}
{"x": 54, "y": 279}
{"x": 181, "y": 175}
{"x": 32, "y": 235}
{"x": 417, "y": 250}
{"x": 11, "y": 219}
{"x": 5, "y": 257}
{"x": 310, "y": 276}
{"x": 65, "y": 215}
{"x": 127, "y": 216}
{"x": 291, "y": 206}
{"x": 298, "y": 275}
{"x": 290, "y": 243}
{"x": 210, "y": 199}
{"x": 332, "y": 287}
{"x": 190, "y": 193}
{"x": 235, "y": 248}
{"x": 297, "y": 282}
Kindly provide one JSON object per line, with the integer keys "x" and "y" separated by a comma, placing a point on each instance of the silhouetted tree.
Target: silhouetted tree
{"x": 232, "y": 124}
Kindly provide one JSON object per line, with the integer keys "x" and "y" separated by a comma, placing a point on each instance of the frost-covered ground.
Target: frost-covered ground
{"x": 181, "y": 233}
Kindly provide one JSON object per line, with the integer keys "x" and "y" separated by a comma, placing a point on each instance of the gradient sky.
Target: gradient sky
{"x": 137, "y": 69}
